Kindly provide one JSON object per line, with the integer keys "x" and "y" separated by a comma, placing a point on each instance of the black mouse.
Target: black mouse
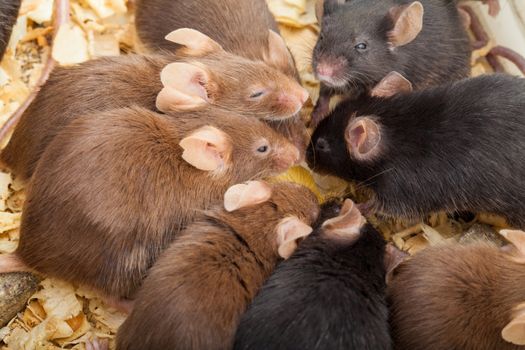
{"x": 330, "y": 294}
{"x": 456, "y": 147}
{"x": 363, "y": 40}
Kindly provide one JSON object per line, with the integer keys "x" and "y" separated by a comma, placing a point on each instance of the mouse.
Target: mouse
{"x": 199, "y": 73}
{"x": 114, "y": 188}
{"x": 330, "y": 294}
{"x": 8, "y": 15}
{"x": 195, "y": 294}
{"x": 241, "y": 27}
{"x": 456, "y": 296}
{"x": 456, "y": 147}
{"x": 361, "y": 41}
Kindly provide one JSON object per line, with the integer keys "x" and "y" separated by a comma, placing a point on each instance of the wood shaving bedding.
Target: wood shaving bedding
{"x": 60, "y": 315}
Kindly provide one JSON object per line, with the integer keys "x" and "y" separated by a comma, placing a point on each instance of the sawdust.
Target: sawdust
{"x": 60, "y": 315}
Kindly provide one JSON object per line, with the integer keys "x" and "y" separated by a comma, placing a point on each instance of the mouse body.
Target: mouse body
{"x": 456, "y": 147}
{"x": 199, "y": 73}
{"x": 241, "y": 27}
{"x": 115, "y": 187}
{"x": 195, "y": 294}
{"x": 469, "y": 297}
{"x": 8, "y": 15}
{"x": 330, "y": 294}
{"x": 362, "y": 41}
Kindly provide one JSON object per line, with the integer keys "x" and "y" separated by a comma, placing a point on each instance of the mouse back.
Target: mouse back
{"x": 448, "y": 296}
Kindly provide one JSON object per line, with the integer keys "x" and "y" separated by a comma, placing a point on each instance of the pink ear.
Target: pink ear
{"x": 348, "y": 224}
{"x": 278, "y": 55}
{"x": 184, "y": 87}
{"x": 319, "y": 9}
{"x": 247, "y": 194}
{"x": 393, "y": 258}
{"x": 196, "y": 43}
{"x": 207, "y": 149}
{"x": 363, "y": 137}
{"x": 391, "y": 84}
{"x": 517, "y": 239}
{"x": 408, "y": 23}
{"x": 289, "y": 230}
{"x": 514, "y": 332}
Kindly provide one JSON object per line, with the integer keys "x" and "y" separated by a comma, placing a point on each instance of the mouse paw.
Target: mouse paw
{"x": 97, "y": 344}
{"x": 320, "y": 111}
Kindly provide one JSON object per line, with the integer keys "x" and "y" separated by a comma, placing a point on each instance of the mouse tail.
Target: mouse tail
{"x": 12, "y": 263}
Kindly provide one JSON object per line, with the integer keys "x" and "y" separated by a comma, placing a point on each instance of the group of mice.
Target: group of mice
{"x": 149, "y": 189}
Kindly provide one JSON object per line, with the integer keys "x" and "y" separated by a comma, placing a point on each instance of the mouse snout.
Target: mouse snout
{"x": 293, "y": 101}
{"x": 286, "y": 158}
{"x": 322, "y": 145}
{"x": 331, "y": 70}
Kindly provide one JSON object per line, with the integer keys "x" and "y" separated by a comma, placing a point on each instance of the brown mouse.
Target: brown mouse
{"x": 196, "y": 292}
{"x": 241, "y": 27}
{"x": 113, "y": 188}
{"x": 199, "y": 73}
{"x": 469, "y": 297}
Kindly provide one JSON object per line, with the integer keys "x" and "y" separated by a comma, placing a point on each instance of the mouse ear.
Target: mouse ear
{"x": 393, "y": 258}
{"x": 393, "y": 83}
{"x": 195, "y": 43}
{"x": 363, "y": 137}
{"x": 517, "y": 239}
{"x": 347, "y": 224}
{"x": 278, "y": 55}
{"x": 246, "y": 194}
{"x": 324, "y": 7}
{"x": 408, "y": 22}
{"x": 514, "y": 332}
{"x": 184, "y": 87}
{"x": 289, "y": 230}
{"x": 207, "y": 148}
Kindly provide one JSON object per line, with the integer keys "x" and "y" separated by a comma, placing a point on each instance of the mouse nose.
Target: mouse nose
{"x": 287, "y": 158}
{"x": 303, "y": 95}
{"x": 330, "y": 69}
{"x": 322, "y": 146}
{"x": 325, "y": 70}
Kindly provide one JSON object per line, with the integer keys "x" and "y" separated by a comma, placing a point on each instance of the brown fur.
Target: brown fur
{"x": 112, "y": 191}
{"x": 240, "y": 27}
{"x": 456, "y": 297}
{"x": 196, "y": 292}
{"x": 117, "y": 82}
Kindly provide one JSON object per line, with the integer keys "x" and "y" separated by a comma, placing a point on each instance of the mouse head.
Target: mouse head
{"x": 210, "y": 75}
{"x": 292, "y": 207}
{"x": 235, "y": 147}
{"x": 359, "y": 40}
{"x": 349, "y": 139}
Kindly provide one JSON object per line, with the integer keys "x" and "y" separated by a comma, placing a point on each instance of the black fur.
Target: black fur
{"x": 440, "y": 53}
{"x": 328, "y": 295}
{"x": 459, "y": 146}
{"x": 8, "y": 14}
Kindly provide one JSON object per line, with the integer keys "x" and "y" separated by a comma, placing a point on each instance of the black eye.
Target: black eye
{"x": 361, "y": 46}
{"x": 257, "y": 94}
{"x": 262, "y": 149}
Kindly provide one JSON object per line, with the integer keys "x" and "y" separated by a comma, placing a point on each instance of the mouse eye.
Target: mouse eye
{"x": 257, "y": 94}
{"x": 263, "y": 149}
{"x": 361, "y": 46}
